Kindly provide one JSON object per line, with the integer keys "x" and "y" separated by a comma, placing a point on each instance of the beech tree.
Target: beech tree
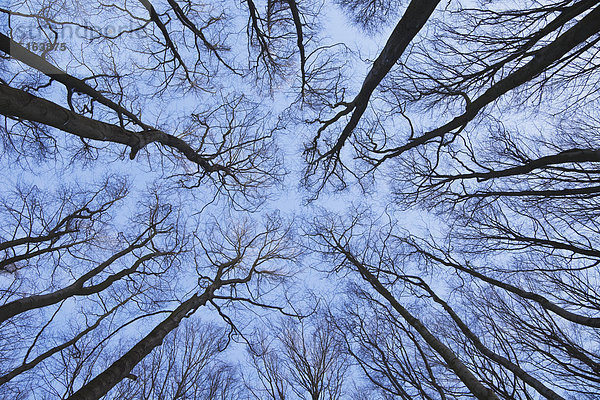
{"x": 498, "y": 298}
{"x": 155, "y": 91}
{"x": 148, "y": 146}
{"x": 187, "y": 365}
{"x": 303, "y": 361}
{"x": 64, "y": 252}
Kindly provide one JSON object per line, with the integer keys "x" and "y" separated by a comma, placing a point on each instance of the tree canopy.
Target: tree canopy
{"x": 285, "y": 199}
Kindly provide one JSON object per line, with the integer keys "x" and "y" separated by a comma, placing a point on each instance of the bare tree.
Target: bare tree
{"x": 218, "y": 138}
{"x": 470, "y": 61}
{"x": 305, "y": 361}
{"x": 498, "y": 299}
{"x": 187, "y": 365}
{"x": 486, "y": 333}
{"x": 62, "y": 252}
{"x": 239, "y": 260}
{"x": 99, "y": 288}
{"x": 480, "y": 117}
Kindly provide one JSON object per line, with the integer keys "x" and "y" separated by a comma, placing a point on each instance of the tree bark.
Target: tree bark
{"x": 19, "y": 306}
{"x": 104, "y": 382}
{"x": 451, "y": 359}
{"x": 543, "y": 59}
{"x": 503, "y": 361}
{"x": 17, "y": 103}
{"x": 20, "y": 53}
{"x": 416, "y": 15}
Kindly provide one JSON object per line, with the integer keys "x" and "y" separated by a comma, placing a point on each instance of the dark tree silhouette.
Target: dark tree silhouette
{"x": 304, "y": 361}
{"x": 143, "y": 143}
